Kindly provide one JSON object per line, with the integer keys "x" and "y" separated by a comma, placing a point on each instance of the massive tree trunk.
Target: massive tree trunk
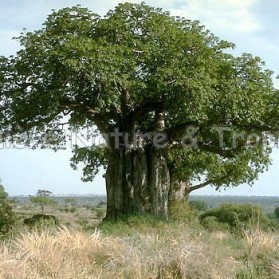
{"x": 179, "y": 190}
{"x": 137, "y": 182}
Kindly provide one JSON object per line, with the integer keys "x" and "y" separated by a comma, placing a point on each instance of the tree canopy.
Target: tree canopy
{"x": 140, "y": 71}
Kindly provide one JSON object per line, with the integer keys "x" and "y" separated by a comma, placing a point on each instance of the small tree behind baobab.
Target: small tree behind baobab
{"x": 42, "y": 199}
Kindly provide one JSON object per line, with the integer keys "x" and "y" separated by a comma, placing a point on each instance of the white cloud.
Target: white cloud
{"x": 230, "y": 15}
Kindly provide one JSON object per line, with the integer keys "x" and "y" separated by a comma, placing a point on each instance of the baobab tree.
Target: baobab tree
{"x": 170, "y": 101}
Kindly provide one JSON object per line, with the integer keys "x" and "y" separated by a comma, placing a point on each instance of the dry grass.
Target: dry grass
{"x": 261, "y": 252}
{"x": 167, "y": 252}
{"x": 73, "y": 254}
{"x": 259, "y": 244}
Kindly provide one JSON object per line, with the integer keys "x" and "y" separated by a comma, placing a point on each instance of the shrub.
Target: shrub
{"x": 41, "y": 220}
{"x": 182, "y": 212}
{"x": 7, "y": 217}
{"x": 236, "y": 217}
{"x": 211, "y": 223}
{"x": 198, "y": 205}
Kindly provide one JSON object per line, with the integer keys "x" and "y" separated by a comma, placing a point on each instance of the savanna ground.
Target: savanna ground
{"x": 140, "y": 247}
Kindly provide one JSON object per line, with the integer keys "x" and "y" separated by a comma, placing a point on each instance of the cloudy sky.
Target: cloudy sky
{"x": 251, "y": 24}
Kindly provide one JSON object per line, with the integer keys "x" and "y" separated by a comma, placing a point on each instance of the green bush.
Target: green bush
{"x": 7, "y": 217}
{"x": 211, "y": 223}
{"x": 198, "y": 205}
{"x": 236, "y": 217}
{"x": 41, "y": 221}
{"x": 182, "y": 212}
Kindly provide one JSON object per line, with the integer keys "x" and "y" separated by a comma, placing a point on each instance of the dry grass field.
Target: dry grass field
{"x": 139, "y": 248}
{"x": 163, "y": 250}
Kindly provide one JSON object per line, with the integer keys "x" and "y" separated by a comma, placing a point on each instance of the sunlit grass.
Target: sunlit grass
{"x": 147, "y": 251}
{"x": 74, "y": 254}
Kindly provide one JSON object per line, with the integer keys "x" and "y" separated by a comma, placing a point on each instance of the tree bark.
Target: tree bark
{"x": 179, "y": 190}
{"x": 137, "y": 182}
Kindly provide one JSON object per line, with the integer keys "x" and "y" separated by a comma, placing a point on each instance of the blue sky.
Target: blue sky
{"x": 251, "y": 24}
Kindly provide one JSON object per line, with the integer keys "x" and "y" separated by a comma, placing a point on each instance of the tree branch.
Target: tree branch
{"x": 141, "y": 110}
{"x": 199, "y": 186}
{"x": 208, "y": 182}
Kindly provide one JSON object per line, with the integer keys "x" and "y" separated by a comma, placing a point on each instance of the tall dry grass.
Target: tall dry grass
{"x": 262, "y": 247}
{"x": 67, "y": 254}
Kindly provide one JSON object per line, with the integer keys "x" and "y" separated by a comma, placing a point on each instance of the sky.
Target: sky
{"x": 251, "y": 24}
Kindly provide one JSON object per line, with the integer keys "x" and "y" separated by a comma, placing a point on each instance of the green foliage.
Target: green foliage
{"x": 198, "y": 205}
{"x": 41, "y": 221}
{"x": 42, "y": 199}
{"x": 181, "y": 211}
{"x": 93, "y": 158}
{"x": 211, "y": 223}
{"x": 235, "y": 217}
{"x": 7, "y": 217}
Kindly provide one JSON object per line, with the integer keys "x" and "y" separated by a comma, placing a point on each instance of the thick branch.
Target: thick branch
{"x": 204, "y": 184}
{"x": 199, "y": 186}
{"x": 98, "y": 118}
{"x": 141, "y": 110}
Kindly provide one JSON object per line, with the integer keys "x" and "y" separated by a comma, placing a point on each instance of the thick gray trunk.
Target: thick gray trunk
{"x": 179, "y": 190}
{"x": 137, "y": 182}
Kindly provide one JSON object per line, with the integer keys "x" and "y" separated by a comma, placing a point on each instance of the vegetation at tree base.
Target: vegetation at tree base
{"x": 140, "y": 73}
{"x": 42, "y": 199}
{"x": 235, "y": 217}
{"x": 7, "y": 216}
{"x": 181, "y": 211}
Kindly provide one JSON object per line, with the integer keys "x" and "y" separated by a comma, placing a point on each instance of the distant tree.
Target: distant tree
{"x": 42, "y": 199}
{"x": 7, "y": 217}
